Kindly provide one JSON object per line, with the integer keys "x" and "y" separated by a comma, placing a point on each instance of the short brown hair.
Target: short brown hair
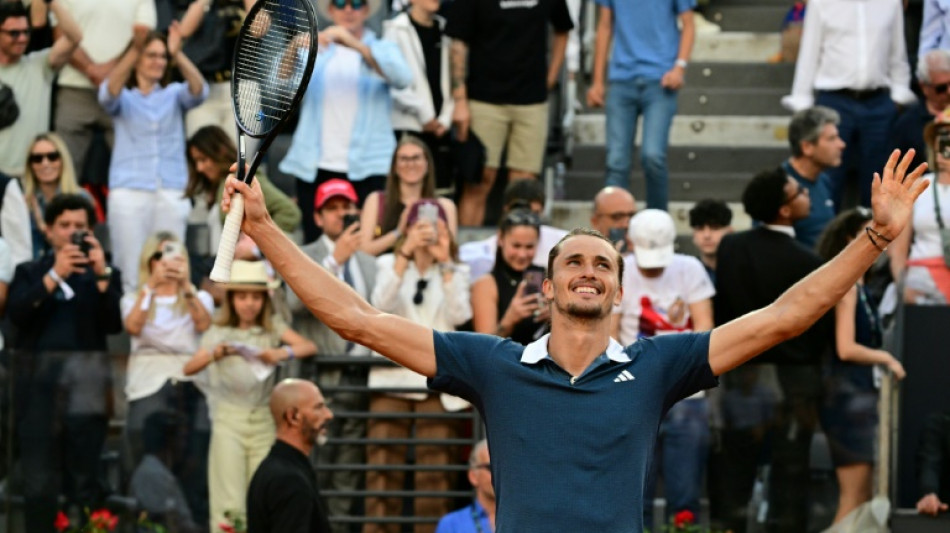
{"x": 585, "y": 232}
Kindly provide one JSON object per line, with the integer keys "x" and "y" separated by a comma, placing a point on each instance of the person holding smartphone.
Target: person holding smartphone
{"x": 507, "y": 301}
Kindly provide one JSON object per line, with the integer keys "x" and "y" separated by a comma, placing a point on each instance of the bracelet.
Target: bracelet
{"x": 404, "y": 254}
{"x": 869, "y": 231}
{"x": 54, "y": 276}
{"x": 396, "y": 232}
{"x": 290, "y": 353}
{"x": 878, "y": 235}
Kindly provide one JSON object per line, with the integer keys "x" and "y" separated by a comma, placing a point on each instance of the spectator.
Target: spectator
{"x": 507, "y": 301}
{"x": 934, "y": 27}
{"x": 147, "y": 173}
{"x": 614, "y": 207}
{"x": 337, "y": 250}
{"x": 30, "y": 77}
{"x": 525, "y": 194}
{"x": 860, "y": 71}
{"x": 933, "y": 77}
{"x": 49, "y": 171}
{"x": 816, "y": 147}
{"x": 933, "y": 468}
{"x": 424, "y": 108}
{"x": 106, "y": 27}
{"x": 479, "y": 516}
{"x": 652, "y": 42}
{"x": 666, "y": 292}
{"x": 424, "y": 283}
{"x": 283, "y": 495}
{"x": 500, "y": 82}
{"x": 345, "y": 129}
{"x": 238, "y": 354}
{"x": 753, "y": 267}
{"x": 849, "y": 410}
{"x": 411, "y": 178}
{"x": 62, "y": 303}
{"x": 6, "y": 276}
{"x": 921, "y": 254}
{"x": 164, "y": 317}
{"x": 711, "y": 221}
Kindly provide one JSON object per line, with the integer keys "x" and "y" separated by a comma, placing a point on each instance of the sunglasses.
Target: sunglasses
{"x": 37, "y": 158}
{"x": 942, "y": 88}
{"x": 798, "y": 192}
{"x": 355, "y": 4}
{"x": 16, "y": 34}
{"x": 420, "y": 286}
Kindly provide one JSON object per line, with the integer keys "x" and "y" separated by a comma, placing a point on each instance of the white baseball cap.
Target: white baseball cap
{"x": 652, "y": 233}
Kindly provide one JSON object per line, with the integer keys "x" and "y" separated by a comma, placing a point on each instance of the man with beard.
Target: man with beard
{"x": 284, "y": 495}
{"x": 479, "y": 517}
{"x": 583, "y": 469}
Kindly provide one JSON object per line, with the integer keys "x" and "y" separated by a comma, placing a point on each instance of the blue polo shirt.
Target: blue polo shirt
{"x": 570, "y": 454}
{"x": 646, "y": 37}
{"x": 807, "y": 230}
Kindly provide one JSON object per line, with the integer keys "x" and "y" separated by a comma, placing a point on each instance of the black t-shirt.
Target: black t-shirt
{"x": 431, "y": 39}
{"x": 507, "y": 46}
{"x": 211, "y": 47}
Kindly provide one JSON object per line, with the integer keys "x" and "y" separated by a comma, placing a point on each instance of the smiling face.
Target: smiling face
{"x": 14, "y": 37}
{"x": 584, "y": 278}
{"x": 248, "y": 305}
{"x": 518, "y": 246}
{"x": 46, "y": 162}
{"x": 411, "y": 164}
{"x": 151, "y": 64}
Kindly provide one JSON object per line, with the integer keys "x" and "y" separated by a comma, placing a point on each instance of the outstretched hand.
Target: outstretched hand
{"x": 255, "y": 210}
{"x": 893, "y": 194}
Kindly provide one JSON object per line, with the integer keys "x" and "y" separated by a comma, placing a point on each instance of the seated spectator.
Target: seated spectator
{"x": 147, "y": 173}
{"x": 424, "y": 282}
{"x": 164, "y": 316}
{"x": 933, "y": 75}
{"x": 239, "y": 387}
{"x": 62, "y": 303}
{"x": 507, "y": 301}
{"x": 710, "y": 220}
{"x": 933, "y": 464}
{"x": 479, "y": 516}
{"x": 614, "y": 207}
{"x": 411, "y": 178}
{"x": 527, "y": 194}
{"x": 49, "y": 171}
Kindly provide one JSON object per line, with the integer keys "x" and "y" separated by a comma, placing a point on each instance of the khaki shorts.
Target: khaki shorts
{"x": 523, "y": 127}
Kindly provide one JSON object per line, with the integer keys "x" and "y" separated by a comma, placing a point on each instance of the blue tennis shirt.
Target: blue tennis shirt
{"x": 571, "y": 454}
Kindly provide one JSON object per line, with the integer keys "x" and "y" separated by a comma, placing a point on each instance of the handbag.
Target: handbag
{"x": 944, "y": 231}
{"x": 9, "y": 110}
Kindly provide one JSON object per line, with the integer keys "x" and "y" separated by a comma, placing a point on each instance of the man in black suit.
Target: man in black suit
{"x": 283, "y": 496}
{"x": 755, "y": 267}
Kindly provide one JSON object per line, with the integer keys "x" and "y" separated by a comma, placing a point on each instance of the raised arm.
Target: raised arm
{"x": 892, "y": 201}
{"x": 123, "y": 69}
{"x": 331, "y": 300}
{"x": 68, "y": 37}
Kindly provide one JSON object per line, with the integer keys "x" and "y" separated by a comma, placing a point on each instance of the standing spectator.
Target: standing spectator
{"x": 411, "y": 178}
{"x": 425, "y": 107}
{"x": 30, "y": 77}
{"x": 935, "y": 27}
{"x": 666, "y": 292}
{"x": 423, "y": 282}
{"x": 283, "y": 495}
{"x": 147, "y": 173}
{"x": 500, "y": 82}
{"x": 107, "y": 27}
{"x": 49, "y": 171}
{"x": 237, "y": 356}
{"x": 711, "y": 220}
{"x": 647, "y": 68}
{"x": 614, "y": 208}
{"x": 850, "y": 404}
{"x": 338, "y": 250}
{"x": 860, "y": 70}
{"x": 479, "y": 516}
{"x": 62, "y": 303}
{"x": 345, "y": 128}
{"x": 753, "y": 267}
{"x": 933, "y": 76}
{"x": 816, "y": 148}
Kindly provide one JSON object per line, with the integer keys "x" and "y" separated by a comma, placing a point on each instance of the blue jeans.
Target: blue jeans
{"x": 865, "y": 127}
{"x": 681, "y": 453}
{"x": 626, "y": 102}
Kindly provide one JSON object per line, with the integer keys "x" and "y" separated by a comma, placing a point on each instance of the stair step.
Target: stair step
{"x": 570, "y": 214}
{"x": 684, "y": 186}
{"x": 740, "y": 75}
{"x": 736, "y": 46}
{"x": 762, "y": 18}
{"x": 693, "y": 130}
{"x": 711, "y": 159}
{"x": 731, "y": 101}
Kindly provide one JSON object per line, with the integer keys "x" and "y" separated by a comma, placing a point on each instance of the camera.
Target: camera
{"x": 943, "y": 145}
{"x": 171, "y": 250}
{"x": 79, "y": 239}
{"x": 532, "y": 280}
{"x": 349, "y": 219}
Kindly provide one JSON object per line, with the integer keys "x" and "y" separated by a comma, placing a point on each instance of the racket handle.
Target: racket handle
{"x": 221, "y": 273}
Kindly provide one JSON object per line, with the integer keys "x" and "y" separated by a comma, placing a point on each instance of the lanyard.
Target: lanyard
{"x": 478, "y": 523}
{"x": 937, "y": 207}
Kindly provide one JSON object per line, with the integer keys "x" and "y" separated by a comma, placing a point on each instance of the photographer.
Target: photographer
{"x": 63, "y": 306}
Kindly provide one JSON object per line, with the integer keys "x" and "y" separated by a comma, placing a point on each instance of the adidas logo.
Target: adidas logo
{"x": 624, "y": 376}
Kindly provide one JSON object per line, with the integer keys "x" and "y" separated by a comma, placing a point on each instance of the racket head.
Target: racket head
{"x": 272, "y": 64}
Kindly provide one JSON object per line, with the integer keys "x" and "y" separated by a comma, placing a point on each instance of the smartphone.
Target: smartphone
{"x": 533, "y": 278}
{"x": 943, "y": 145}
{"x": 619, "y": 235}
{"x": 171, "y": 250}
{"x": 349, "y": 219}
{"x": 429, "y": 212}
{"x": 79, "y": 239}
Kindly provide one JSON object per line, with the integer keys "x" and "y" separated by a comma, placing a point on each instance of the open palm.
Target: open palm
{"x": 893, "y": 194}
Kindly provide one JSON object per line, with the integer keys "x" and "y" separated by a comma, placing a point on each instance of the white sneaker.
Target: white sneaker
{"x": 703, "y": 26}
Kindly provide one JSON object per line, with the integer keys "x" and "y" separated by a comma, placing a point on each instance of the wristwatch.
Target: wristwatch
{"x": 106, "y": 274}
{"x": 681, "y": 63}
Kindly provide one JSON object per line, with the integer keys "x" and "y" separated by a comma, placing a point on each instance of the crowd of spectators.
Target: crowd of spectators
{"x": 383, "y": 178}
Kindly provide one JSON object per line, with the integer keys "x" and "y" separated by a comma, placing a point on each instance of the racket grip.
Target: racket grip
{"x": 221, "y": 273}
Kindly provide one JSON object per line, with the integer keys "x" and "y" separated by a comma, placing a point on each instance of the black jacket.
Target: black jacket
{"x": 283, "y": 496}
{"x": 933, "y": 456}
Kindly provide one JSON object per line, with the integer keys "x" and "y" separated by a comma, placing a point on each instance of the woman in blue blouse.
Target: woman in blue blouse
{"x": 147, "y": 174}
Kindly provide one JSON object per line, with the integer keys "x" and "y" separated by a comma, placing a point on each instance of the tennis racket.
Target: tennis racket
{"x": 270, "y": 71}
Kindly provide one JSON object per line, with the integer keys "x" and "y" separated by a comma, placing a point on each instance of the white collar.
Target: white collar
{"x": 538, "y": 350}
{"x": 788, "y": 230}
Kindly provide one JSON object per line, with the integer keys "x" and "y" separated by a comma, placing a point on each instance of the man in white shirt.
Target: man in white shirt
{"x": 853, "y": 59}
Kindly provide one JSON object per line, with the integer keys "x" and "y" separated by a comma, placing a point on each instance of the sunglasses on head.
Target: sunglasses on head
{"x": 38, "y": 157}
{"x": 355, "y": 4}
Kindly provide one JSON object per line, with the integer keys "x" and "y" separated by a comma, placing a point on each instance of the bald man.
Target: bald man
{"x": 284, "y": 496}
{"x": 613, "y": 209}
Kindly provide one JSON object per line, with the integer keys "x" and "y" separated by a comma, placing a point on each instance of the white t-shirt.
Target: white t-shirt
{"x": 31, "y": 80}
{"x": 166, "y": 343}
{"x": 480, "y": 255}
{"x": 926, "y": 241}
{"x": 341, "y": 84}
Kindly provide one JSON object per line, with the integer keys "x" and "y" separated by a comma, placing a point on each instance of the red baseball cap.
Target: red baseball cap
{"x": 333, "y": 188}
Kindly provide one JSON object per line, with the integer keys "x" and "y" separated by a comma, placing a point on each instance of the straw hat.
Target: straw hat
{"x": 250, "y": 276}
{"x": 323, "y": 7}
{"x": 942, "y": 120}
